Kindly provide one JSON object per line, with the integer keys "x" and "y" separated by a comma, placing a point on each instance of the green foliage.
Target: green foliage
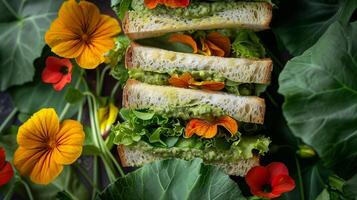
{"x": 320, "y": 97}
{"x": 31, "y": 97}
{"x": 156, "y": 128}
{"x": 116, "y": 59}
{"x": 89, "y": 148}
{"x": 174, "y": 179}
{"x": 22, "y": 29}
{"x": 304, "y": 21}
{"x": 73, "y": 95}
{"x": 122, "y": 7}
{"x": 68, "y": 182}
{"x": 247, "y": 45}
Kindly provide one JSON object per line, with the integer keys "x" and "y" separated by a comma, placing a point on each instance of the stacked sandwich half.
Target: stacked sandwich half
{"x": 196, "y": 70}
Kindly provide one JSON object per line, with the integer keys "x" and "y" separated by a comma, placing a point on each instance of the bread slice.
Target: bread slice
{"x": 250, "y": 15}
{"x": 240, "y": 70}
{"x": 139, "y": 95}
{"x": 131, "y": 156}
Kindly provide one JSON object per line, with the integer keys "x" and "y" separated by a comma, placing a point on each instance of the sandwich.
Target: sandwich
{"x": 162, "y": 122}
{"x": 152, "y": 18}
{"x": 192, "y": 91}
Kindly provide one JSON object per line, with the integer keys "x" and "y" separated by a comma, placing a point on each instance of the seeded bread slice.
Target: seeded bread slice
{"x": 139, "y": 95}
{"x": 162, "y": 61}
{"x": 132, "y": 156}
{"x": 250, "y": 15}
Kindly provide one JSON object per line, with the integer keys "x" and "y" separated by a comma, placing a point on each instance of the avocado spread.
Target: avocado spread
{"x": 194, "y": 10}
{"x": 189, "y": 111}
{"x": 155, "y": 78}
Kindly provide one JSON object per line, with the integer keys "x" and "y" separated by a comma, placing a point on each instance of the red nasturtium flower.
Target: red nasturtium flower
{"x": 269, "y": 181}
{"x": 58, "y": 72}
{"x": 151, "y": 4}
{"x": 6, "y": 171}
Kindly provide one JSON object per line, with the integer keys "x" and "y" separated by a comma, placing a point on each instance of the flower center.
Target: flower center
{"x": 85, "y": 38}
{"x": 267, "y": 188}
{"x": 51, "y": 144}
{"x": 64, "y": 70}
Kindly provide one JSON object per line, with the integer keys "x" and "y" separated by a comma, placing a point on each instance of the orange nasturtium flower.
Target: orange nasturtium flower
{"x": 186, "y": 80}
{"x": 208, "y": 129}
{"x": 151, "y": 4}
{"x": 45, "y": 145}
{"x": 107, "y": 116}
{"x": 215, "y": 44}
{"x": 81, "y": 32}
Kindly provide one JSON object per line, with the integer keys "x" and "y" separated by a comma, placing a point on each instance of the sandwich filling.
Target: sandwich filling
{"x": 192, "y": 10}
{"x": 205, "y": 132}
{"x": 199, "y": 80}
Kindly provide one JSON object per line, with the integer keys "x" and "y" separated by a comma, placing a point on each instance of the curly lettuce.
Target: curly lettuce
{"x": 247, "y": 45}
{"x": 158, "y": 130}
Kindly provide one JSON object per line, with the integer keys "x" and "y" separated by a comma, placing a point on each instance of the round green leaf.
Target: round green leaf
{"x": 320, "y": 90}
{"x": 304, "y": 21}
{"x": 175, "y": 180}
{"x": 22, "y": 28}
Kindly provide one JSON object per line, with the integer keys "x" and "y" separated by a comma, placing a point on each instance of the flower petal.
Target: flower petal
{"x": 209, "y": 85}
{"x": 2, "y": 156}
{"x": 256, "y": 178}
{"x": 90, "y": 17}
{"x": 185, "y": 39}
{"x": 6, "y": 173}
{"x": 214, "y": 49}
{"x": 69, "y": 141}
{"x": 26, "y": 159}
{"x": 45, "y": 169}
{"x": 107, "y": 28}
{"x": 181, "y": 81}
{"x": 277, "y": 168}
{"x": 281, "y": 184}
{"x": 36, "y": 131}
{"x": 176, "y": 3}
{"x": 221, "y": 41}
{"x": 52, "y": 72}
{"x": 229, "y": 123}
{"x": 204, "y": 46}
{"x": 63, "y": 82}
{"x": 151, "y": 4}
{"x": 89, "y": 59}
{"x": 200, "y": 127}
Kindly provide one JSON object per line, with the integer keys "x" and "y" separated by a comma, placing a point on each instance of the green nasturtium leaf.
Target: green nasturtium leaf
{"x": 304, "y": 21}
{"x": 320, "y": 92}
{"x": 22, "y": 28}
{"x": 175, "y": 180}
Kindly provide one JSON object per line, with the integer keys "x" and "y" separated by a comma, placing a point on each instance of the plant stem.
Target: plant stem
{"x": 302, "y": 194}
{"x": 114, "y": 90}
{"x": 8, "y": 118}
{"x": 101, "y": 80}
{"x": 28, "y": 190}
{"x": 85, "y": 175}
{"x": 66, "y": 107}
{"x": 95, "y": 174}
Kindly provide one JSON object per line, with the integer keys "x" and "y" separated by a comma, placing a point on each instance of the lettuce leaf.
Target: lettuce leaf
{"x": 247, "y": 45}
{"x": 148, "y": 126}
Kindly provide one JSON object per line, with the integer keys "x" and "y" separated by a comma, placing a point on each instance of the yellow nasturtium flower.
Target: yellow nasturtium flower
{"x": 45, "y": 145}
{"x": 107, "y": 116}
{"x": 81, "y": 32}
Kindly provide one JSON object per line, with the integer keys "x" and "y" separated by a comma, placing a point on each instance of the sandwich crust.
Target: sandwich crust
{"x": 139, "y": 95}
{"x": 251, "y": 15}
{"x": 241, "y": 70}
{"x": 131, "y": 156}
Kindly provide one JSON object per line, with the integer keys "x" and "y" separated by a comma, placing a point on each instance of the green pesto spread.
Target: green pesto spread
{"x": 241, "y": 150}
{"x": 196, "y": 9}
{"x": 149, "y": 77}
{"x": 189, "y": 111}
{"x": 155, "y": 78}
